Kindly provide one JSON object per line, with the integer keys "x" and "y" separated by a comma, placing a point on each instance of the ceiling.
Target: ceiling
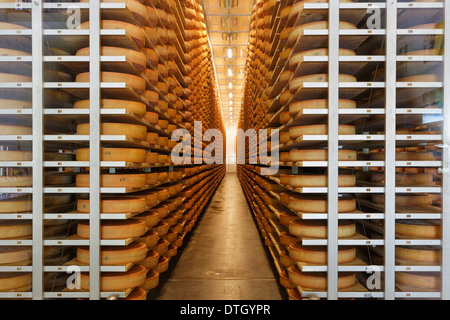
{"x": 228, "y": 25}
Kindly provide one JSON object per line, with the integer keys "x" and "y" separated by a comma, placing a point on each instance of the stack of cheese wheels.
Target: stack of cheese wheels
{"x": 313, "y": 180}
{"x": 318, "y": 255}
{"x": 318, "y": 129}
{"x": 114, "y": 154}
{"x": 318, "y": 280}
{"x": 137, "y": 108}
{"x": 115, "y": 205}
{"x": 112, "y": 281}
{"x": 132, "y": 253}
{"x": 406, "y": 200}
{"x": 138, "y": 180}
{"x": 318, "y": 228}
{"x": 318, "y": 203}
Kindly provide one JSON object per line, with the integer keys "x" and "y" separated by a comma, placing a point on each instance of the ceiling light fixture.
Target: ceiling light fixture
{"x": 230, "y": 73}
{"x": 230, "y": 53}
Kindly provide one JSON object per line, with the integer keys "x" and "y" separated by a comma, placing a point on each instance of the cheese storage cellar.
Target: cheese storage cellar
{"x": 224, "y": 150}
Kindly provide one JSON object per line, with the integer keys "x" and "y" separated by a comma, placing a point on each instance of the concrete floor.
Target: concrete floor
{"x": 224, "y": 258}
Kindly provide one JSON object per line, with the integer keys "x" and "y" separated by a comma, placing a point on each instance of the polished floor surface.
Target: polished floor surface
{"x": 224, "y": 258}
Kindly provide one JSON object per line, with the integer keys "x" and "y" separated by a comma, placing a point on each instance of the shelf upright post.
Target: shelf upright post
{"x": 333, "y": 148}
{"x": 94, "y": 150}
{"x": 446, "y": 162}
{"x": 389, "y": 149}
{"x": 38, "y": 149}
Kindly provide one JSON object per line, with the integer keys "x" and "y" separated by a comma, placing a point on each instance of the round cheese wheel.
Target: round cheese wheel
{"x": 138, "y": 59}
{"x": 137, "y": 108}
{"x": 284, "y": 280}
{"x": 151, "y": 260}
{"x": 318, "y": 229}
{"x": 298, "y": 106}
{"x": 16, "y": 204}
{"x": 58, "y": 179}
{"x": 14, "y": 104}
{"x": 318, "y": 280}
{"x": 10, "y": 229}
{"x": 405, "y": 179}
{"x": 130, "y": 130}
{"x": 152, "y": 178}
{"x": 15, "y": 130}
{"x": 312, "y": 180}
{"x": 414, "y": 255}
{"x": 115, "y": 180}
{"x": 418, "y": 229}
{"x": 419, "y": 280}
{"x": 318, "y": 204}
{"x": 57, "y": 199}
{"x": 11, "y": 255}
{"x": 163, "y": 264}
{"x": 150, "y": 238}
{"x": 297, "y": 131}
{"x": 114, "y": 154}
{"x": 112, "y": 281}
{"x": 137, "y": 34}
{"x": 110, "y": 256}
{"x": 286, "y": 238}
{"x": 136, "y": 294}
{"x": 115, "y": 205}
{"x": 421, "y": 78}
{"x": 9, "y": 77}
{"x": 162, "y": 228}
{"x": 13, "y": 281}
{"x": 285, "y": 261}
{"x": 133, "y": 82}
{"x": 114, "y": 229}
{"x": 296, "y": 58}
{"x": 404, "y": 156}
{"x": 16, "y": 181}
{"x": 406, "y": 200}
{"x": 319, "y": 255}
{"x": 151, "y": 218}
{"x": 151, "y": 117}
{"x": 294, "y": 294}
{"x": 58, "y": 156}
{"x": 151, "y": 281}
{"x": 152, "y": 138}
{"x": 152, "y": 56}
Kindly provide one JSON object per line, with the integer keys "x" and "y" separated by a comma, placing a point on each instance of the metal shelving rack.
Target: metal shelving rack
{"x": 394, "y": 32}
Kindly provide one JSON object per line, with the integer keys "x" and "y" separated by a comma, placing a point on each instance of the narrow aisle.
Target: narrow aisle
{"x": 224, "y": 258}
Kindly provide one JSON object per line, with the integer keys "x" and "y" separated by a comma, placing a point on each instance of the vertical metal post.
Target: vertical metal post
{"x": 333, "y": 148}
{"x": 445, "y": 161}
{"x": 38, "y": 149}
{"x": 94, "y": 147}
{"x": 389, "y": 149}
